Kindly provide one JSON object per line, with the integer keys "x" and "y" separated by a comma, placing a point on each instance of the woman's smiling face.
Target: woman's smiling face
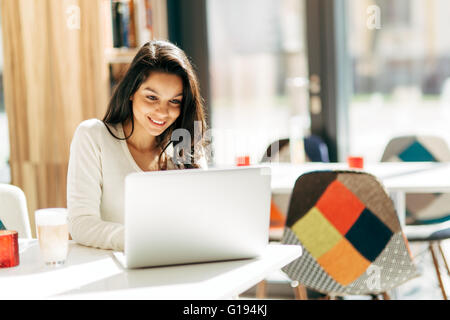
{"x": 157, "y": 102}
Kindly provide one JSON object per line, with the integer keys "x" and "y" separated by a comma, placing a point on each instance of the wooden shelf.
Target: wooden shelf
{"x": 120, "y": 55}
{"x": 143, "y": 33}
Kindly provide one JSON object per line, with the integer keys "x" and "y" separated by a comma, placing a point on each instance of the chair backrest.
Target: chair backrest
{"x": 416, "y": 148}
{"x": 315, "y": 149}
{"x": 350, "y": 232}
{"x": 13, "y": 211}
{"x": 421, "y": 208}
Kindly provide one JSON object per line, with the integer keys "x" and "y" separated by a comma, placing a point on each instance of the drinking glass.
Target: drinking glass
{"x": 53, "y": 234}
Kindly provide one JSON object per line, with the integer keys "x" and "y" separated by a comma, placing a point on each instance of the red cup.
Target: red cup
{"x": 355, "y": 162}
{"x": 243, "y": 161}
{"x": 9, "y": 249}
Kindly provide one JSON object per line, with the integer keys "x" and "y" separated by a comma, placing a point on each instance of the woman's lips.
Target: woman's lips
{"x": 156, "y": 122}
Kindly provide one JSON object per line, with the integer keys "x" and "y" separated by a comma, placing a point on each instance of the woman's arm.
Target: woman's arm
{"x": 84, "y": 191}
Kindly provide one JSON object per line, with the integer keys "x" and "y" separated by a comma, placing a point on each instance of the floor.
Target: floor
{"x": 425, "y": 287}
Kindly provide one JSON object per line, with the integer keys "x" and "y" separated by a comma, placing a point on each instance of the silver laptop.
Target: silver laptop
{"x": 189, "y": 216}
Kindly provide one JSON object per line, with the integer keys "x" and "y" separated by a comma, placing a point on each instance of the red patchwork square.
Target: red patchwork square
{"x": 340, "y": 206}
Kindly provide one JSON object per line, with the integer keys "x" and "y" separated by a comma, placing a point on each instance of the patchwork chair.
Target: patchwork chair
{"x": 351, "y": 235}
{"x": 13, "y": 211}
{"x": 421, "y": 208}
{"x": 428, "y": 214}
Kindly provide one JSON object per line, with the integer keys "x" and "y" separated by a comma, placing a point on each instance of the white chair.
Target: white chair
{"x": 13, "y": 210}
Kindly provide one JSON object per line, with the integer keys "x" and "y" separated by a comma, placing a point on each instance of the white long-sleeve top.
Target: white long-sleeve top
{"x": 98, "y": 166}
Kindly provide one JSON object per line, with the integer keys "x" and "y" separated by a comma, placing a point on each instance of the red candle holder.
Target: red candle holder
{"x": 243, "y": 161}
{"x": 9, "y": 249}
{"x": 355, "y": 162}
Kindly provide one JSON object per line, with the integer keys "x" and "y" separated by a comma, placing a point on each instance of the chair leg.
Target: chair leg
{"x": 300, "y": 292}
{"x": 261, "y": 289}
{"x": 438, "y": 273}
{"x": 443, "y": 257}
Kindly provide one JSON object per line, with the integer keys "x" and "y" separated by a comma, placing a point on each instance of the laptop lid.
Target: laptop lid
{"x": 187, "y": 216}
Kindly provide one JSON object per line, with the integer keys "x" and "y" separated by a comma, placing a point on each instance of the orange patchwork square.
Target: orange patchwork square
{"x": 343, "y": 263}
{"x": 340, "y": 206}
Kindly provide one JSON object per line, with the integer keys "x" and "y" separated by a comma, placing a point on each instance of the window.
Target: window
{"x": 4, "y": 137}
{"x": 401, "y": 73}
{"x": 258, "y": 68}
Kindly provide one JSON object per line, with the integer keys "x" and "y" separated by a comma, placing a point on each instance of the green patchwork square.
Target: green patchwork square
{"x": 316, "y": 233}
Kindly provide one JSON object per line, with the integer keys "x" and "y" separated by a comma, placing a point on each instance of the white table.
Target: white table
{"x": 95, "y": 274}
{"x": 397, "y": 177}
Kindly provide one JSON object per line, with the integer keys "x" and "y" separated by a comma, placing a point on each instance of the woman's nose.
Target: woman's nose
{"x": 162, "y": 109}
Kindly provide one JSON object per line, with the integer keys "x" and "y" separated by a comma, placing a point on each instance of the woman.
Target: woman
{"x": 158, "y": 95}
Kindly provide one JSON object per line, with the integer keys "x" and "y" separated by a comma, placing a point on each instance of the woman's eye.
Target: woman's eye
{"x": 176, "y": 101}
{"x": 153, "y": 98}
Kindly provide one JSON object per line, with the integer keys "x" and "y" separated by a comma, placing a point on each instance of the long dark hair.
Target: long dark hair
{"x": 160, "y": 56}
